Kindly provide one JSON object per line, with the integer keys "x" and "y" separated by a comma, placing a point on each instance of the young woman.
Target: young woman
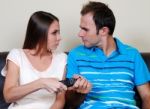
{"x": 33, "y": 73}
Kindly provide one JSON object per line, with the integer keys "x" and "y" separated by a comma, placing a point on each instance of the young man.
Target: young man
{"x": 113, "y": 68}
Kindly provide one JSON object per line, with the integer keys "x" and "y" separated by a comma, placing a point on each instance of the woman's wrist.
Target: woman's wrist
{"x": 40, "y": 83}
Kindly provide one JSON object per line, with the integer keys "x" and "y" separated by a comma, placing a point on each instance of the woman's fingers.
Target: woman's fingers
{"x": 53, "y": 85}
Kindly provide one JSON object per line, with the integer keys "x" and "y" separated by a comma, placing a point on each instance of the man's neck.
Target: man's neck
{"x": 109, "y": 45}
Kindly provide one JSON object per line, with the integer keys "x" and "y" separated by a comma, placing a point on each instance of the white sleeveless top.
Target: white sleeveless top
{"x": 41, "y": 99}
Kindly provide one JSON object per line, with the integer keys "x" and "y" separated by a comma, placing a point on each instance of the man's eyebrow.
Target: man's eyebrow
{"x": 86, "y": 29}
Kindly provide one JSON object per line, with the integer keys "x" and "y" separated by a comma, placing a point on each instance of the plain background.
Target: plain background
{"x": 132, "y": 16}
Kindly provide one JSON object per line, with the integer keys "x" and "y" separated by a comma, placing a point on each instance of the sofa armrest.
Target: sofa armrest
{"x": 73, "y": 99}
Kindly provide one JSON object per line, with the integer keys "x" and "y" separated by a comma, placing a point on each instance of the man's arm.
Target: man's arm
{"x": 144, "y": 92}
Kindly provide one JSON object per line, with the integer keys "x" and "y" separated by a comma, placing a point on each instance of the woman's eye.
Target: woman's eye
{"x": 56, "y": 32}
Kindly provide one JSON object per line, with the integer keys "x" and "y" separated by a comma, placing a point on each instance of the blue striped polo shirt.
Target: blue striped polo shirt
{"x": 113, "y": 78}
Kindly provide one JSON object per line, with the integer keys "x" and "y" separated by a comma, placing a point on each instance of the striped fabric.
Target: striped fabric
{"x": 113, "y": 78}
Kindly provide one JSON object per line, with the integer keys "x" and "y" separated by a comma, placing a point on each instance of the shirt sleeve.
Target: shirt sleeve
{"x": 142, "y": 74}
{"x": 72, "y": 67}
{"x": 12, "y": 56}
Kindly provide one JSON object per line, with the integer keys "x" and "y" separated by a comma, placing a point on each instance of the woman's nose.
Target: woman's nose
{"x": 58, "y": 37}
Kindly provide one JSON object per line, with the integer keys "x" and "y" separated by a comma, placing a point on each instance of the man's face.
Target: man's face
{"x": 88, "y": 32}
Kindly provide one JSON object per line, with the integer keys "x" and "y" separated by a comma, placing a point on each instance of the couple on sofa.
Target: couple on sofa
{"x": 104, "y": 68}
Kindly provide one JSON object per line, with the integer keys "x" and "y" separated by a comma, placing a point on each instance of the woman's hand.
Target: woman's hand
{"x": 53, "y": 85}
{"x": 82, "y": 85}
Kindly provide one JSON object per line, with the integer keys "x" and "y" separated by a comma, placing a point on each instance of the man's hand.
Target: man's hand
{"x": 81, "y": 85}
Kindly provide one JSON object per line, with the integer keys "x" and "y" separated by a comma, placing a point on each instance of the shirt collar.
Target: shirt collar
{"x": 121, "y": 48}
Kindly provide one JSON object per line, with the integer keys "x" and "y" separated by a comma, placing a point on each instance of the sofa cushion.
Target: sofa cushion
{"x": 71, "y": 97}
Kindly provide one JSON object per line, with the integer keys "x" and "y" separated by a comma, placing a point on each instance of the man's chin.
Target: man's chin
{"x": 87, "y": 46}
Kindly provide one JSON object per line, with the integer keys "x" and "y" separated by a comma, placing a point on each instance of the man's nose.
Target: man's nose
{"x": 81, "y": 33}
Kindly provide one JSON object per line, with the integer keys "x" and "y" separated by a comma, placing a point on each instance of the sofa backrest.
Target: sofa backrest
{"x": 146, "y": 57}
{"x": 3, "y": 104}
{"x": 69, "y": 98}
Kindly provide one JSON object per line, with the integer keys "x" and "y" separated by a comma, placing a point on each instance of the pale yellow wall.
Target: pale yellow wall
{"x": 133, "y": 21}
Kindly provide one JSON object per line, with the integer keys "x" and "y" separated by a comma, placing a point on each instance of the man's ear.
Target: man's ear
{"x": 104, "y": 31}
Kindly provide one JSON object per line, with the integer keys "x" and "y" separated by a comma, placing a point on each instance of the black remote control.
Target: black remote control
{"x": 68, "y": 82}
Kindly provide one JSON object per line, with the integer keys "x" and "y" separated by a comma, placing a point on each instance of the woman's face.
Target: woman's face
{"x": 53, "y": 38}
